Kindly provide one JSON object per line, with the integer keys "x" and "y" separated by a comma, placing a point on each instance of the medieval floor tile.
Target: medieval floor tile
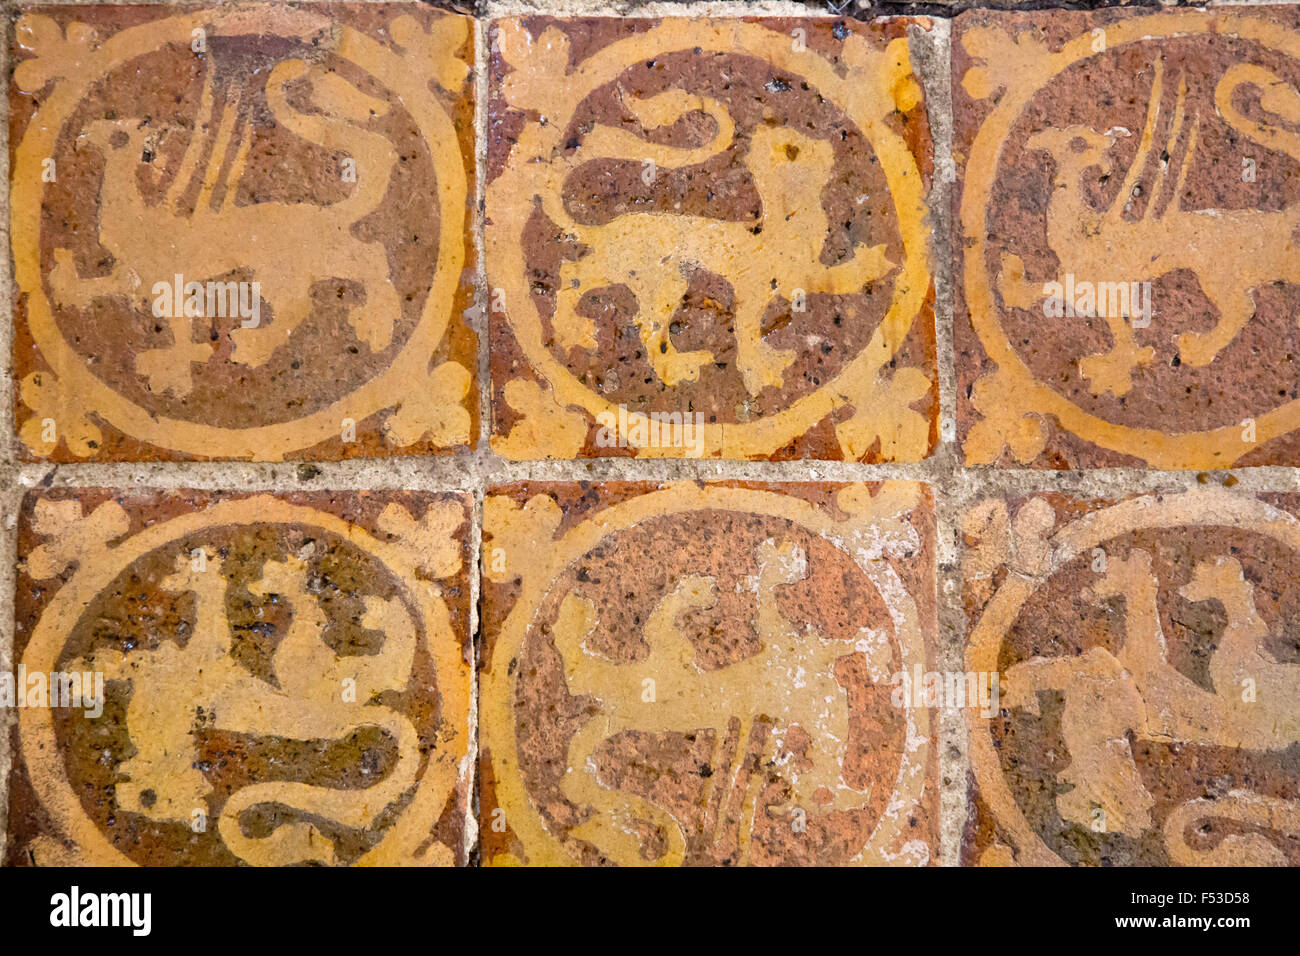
{"x": 1149, "y": 680}
{"x": 242, "y": 232}
{"x": 1130, "y": 282}
{"x": 707, "y": 238}
{"x": 705, "y": 674}
{"x": 261, "y": 679}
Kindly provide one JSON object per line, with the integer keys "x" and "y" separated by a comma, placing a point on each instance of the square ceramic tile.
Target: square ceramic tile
{"x": 211, "y": 680}
{"x": 708, "y": 238}
{"x": 1128, "y": 278}
{"x": 242, "y": 232}
{"x": 707, "y": 674}
{"x": 1149, "y": 701}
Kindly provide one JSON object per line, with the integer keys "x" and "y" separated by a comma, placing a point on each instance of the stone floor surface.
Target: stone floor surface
{"x": 650, "y": 433}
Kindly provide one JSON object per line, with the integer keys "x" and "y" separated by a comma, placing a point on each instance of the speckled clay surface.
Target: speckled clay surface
{"x": 1009, "y": 470}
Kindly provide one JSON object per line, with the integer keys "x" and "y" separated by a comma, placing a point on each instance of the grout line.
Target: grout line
{"x": 481, "y": 64}
{"x": 479, "y": 471}
{"x": 8, "y": 447}
{"x": 9, "y": 504}
{"x": 627, "y": 9}
{"x": 931, "y": 62}
{"x": 483, "y": 316}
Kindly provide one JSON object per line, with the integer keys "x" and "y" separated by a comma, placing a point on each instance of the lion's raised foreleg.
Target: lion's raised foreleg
{"x": 211, "y": 640}
{"x": 1238, "y": 650}
{"x": 1263, "y": 719}
{"x": 1144, "y": 652}
{"x": 390, "y": 668}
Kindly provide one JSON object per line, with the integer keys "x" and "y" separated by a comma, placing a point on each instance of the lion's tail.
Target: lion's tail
{"x": 338, "y": 127}
{"x": 656, "y": 112}
{"x": 1277, "y": 97}
{"x": 1240, "y": 806}
{"x": 301, "y": 841}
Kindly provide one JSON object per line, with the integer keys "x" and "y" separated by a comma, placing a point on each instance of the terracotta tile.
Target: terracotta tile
{"x": 716, "y": 219}
{"x": 1141, "y": 163}
{"x": 315, "y": 160}
{"x": 1150, "y": 692}
{"x": 701, "y": 674}
{"x": 284, "y": 679}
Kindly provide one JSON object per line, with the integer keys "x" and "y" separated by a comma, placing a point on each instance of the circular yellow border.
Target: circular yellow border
{"x": 40, "y": 747}
{"x": 265, "y": 441}
{"x": 1219, "y": 447}
{"x": 499, "y": 685}
{"x": 511, "y": 197}
{"x": 1194, "y": 509}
